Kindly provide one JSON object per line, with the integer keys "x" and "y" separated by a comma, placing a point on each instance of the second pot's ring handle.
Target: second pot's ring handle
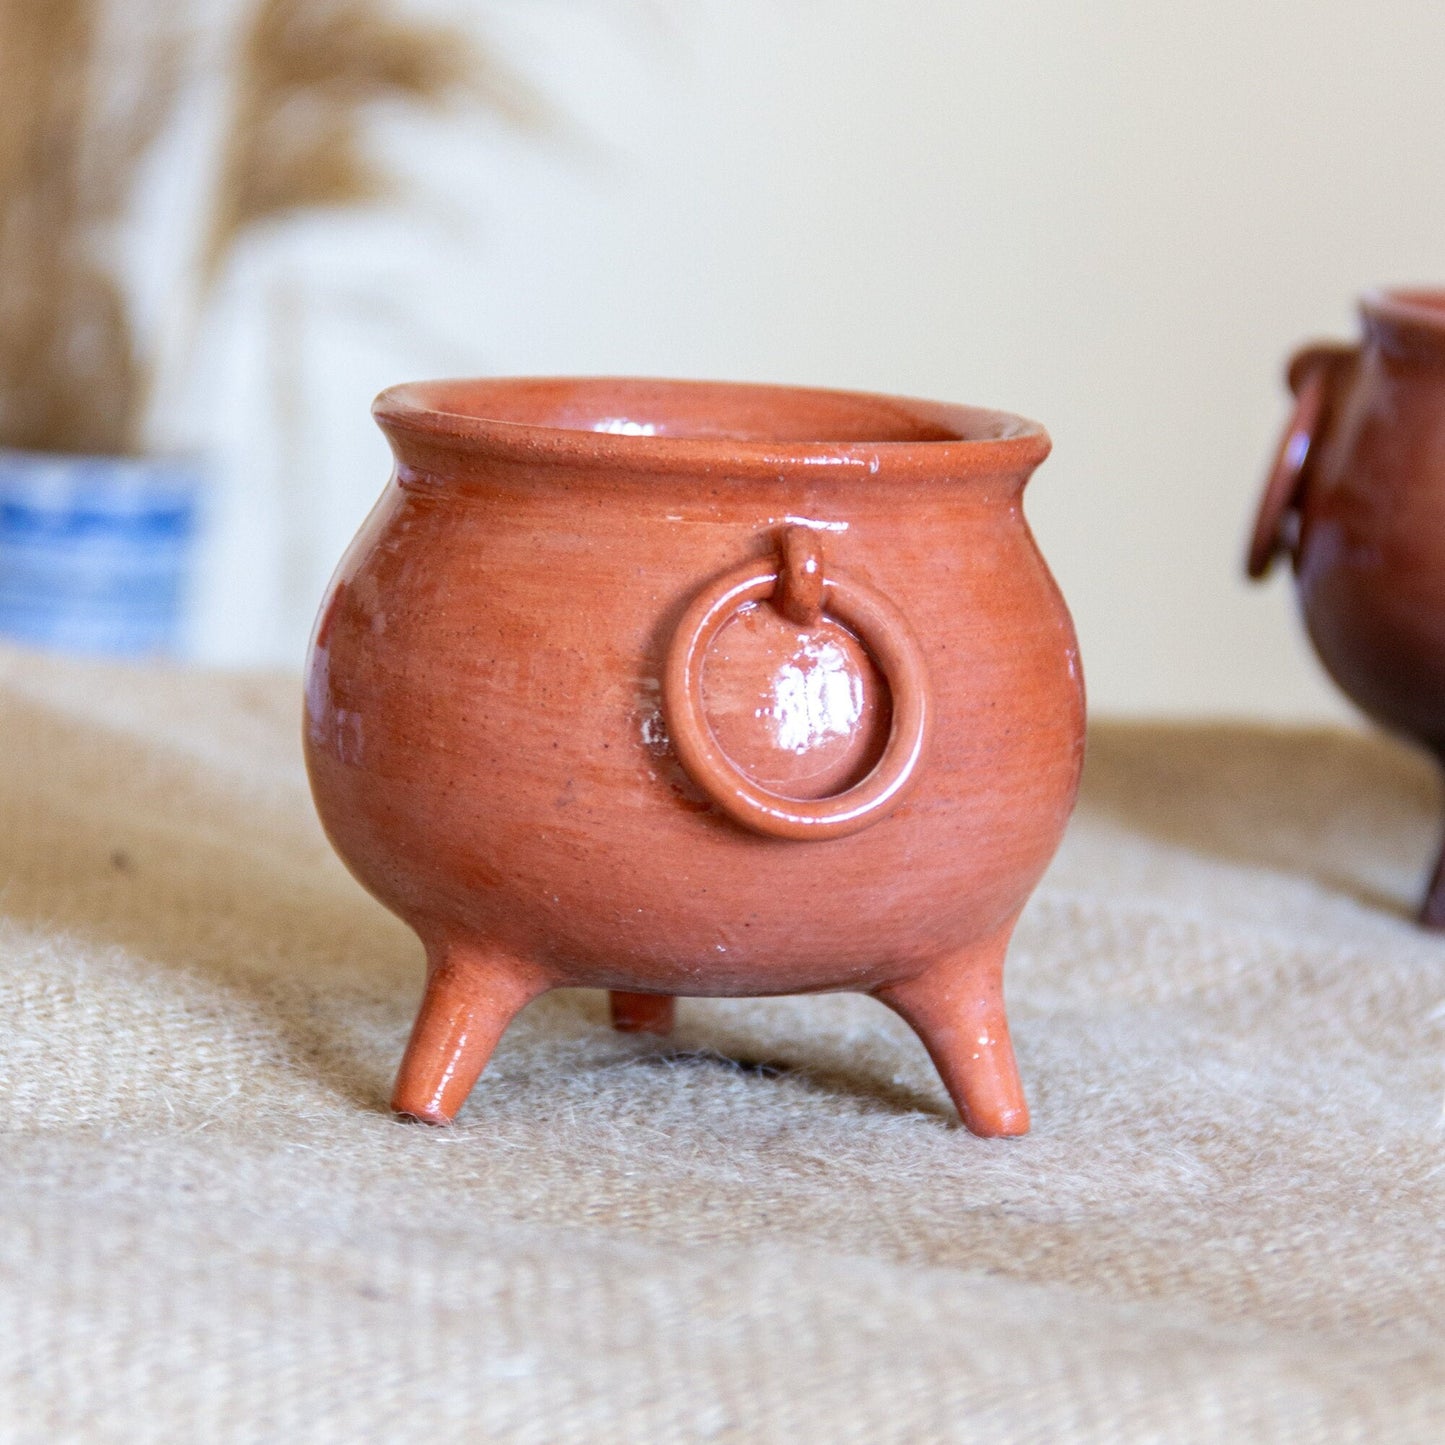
{"x": 1311, "y": 374}
{"x": 802, "y": 591}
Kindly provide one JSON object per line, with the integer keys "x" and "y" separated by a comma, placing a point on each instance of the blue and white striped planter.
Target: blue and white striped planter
{"x": 95, "y": 552}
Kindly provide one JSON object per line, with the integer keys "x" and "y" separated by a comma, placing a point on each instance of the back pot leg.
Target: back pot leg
{"x": 1432, "y": 911}
{"x": 642, "y": 1013}
{"x": 473, "y": 992}
{"x": 956, "y": 1008}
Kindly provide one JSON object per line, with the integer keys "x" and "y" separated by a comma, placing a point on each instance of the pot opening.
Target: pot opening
{"x": 677, "y": 421}
{"x": 699, "y": 410}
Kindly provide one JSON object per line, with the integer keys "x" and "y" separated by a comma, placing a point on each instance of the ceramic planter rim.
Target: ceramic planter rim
{"x": 975, "y": 441}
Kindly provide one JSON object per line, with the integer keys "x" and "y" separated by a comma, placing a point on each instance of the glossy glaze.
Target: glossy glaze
{"x": 1357, "y": 498}
{"x": 836, "y": 599}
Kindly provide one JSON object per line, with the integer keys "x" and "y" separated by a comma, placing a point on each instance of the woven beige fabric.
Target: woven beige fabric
{"x": 1227, "y": 1224}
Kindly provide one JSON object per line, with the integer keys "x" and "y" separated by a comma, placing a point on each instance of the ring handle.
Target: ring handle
{"x": 801, "y": 589}
{"x": 1310, "y": 374}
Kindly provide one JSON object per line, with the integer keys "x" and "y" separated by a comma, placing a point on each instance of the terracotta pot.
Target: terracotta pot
{"x": 1357, "y": 498}
{"x": 681, "y": 688}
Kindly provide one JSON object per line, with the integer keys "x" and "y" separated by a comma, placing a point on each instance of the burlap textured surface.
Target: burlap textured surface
{"x": 1227, "y": 1224}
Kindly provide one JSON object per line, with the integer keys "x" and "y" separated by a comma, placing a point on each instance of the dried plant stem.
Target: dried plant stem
{"x": 70, "y": 148}
{"x": 304, "y": 76}
{"x": 309, "y": 70}
{"x": 88, "y": 85}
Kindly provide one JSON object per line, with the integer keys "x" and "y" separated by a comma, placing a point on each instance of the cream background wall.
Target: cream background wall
{"x": 1117, "y": 218}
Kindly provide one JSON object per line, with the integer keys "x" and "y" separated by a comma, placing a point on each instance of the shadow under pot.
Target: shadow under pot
{"x": 678, "y": 688}
{"x": 1357, "y": 499}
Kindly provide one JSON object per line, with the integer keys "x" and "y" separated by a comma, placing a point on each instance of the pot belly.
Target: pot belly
{"x": 1371, "y": 578}
{"x": 492, "y": 766}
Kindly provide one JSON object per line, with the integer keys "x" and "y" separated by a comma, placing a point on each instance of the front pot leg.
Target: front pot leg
{"x": 956, "y": 1008}
{"x": 472, "y": 993}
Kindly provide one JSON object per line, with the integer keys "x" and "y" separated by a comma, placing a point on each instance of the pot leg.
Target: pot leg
{"x": 642, "y": 1013}
{"x": 472, "y": 993}
{"x": 956, "y": 1008}
{"x": 1432, "y": 912}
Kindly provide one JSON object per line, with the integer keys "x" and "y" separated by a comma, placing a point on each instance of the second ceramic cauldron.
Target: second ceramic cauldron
{"x": 680, "y": 688}
{"x": 1357, "y": 497}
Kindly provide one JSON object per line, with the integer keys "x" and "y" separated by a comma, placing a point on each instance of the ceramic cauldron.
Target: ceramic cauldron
{"x": 682, "y": 688}
{"x": 1357, "y": 498}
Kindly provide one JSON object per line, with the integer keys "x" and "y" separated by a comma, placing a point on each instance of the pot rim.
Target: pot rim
{"x": 941, "y": 439}
{"x": 1412, "y": 315}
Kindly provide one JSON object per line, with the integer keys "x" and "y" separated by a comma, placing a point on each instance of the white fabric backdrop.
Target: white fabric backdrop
{"x": 1115, "y": 218}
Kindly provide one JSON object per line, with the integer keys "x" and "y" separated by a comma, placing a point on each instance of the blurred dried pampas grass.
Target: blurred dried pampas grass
{"x": 72, "y": 140}
{"x": 90, "y": 85}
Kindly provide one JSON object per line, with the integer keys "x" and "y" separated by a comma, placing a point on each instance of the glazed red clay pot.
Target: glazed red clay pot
{"x": 1357, "y": 498}
{"x": 682, "y": 688}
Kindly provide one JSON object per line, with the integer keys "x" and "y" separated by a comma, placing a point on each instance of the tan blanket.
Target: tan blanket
{"x": 1227, "y": 1223}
